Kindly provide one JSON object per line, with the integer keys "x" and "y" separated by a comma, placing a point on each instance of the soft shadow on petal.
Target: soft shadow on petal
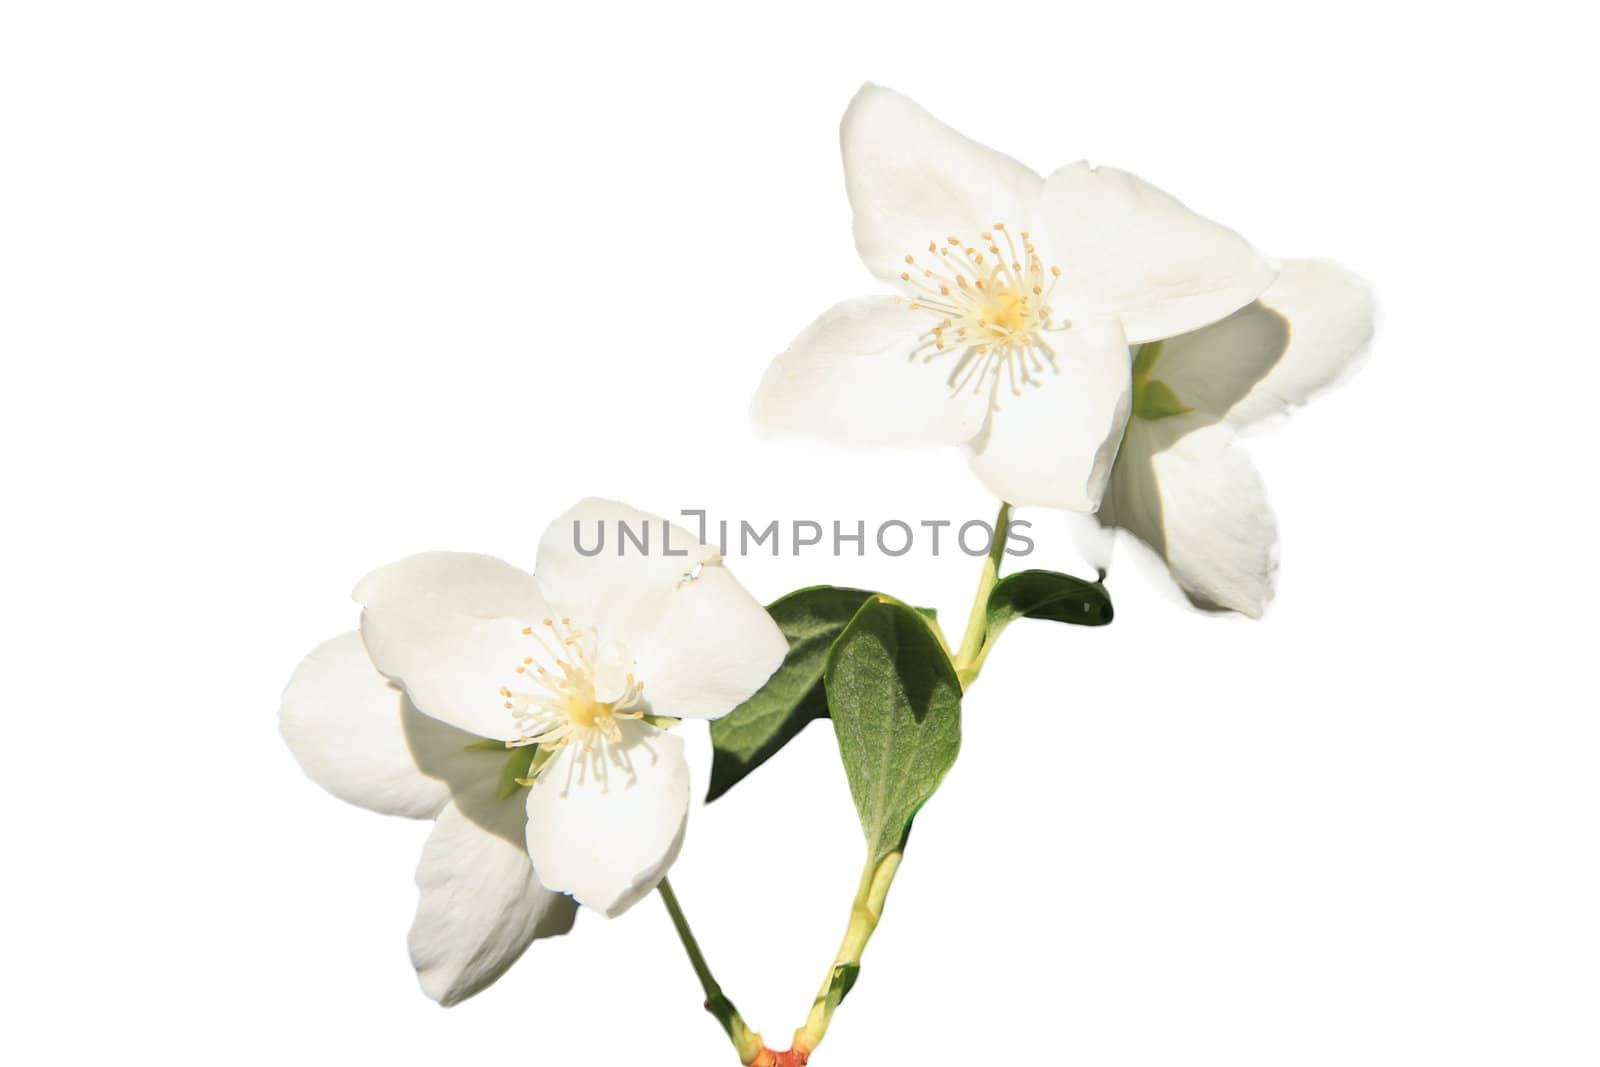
{"x": 1052, "y": 445}
{"x": 1127, "y": 249}
{"x": 1213, "y": 369}
{"x": 853, "y": 378}
{"x": 607, "y": 828}
{"x": 1182, "y": 488}
{"x": 699, "y": 641}
{"x": 1305, "y": 334}
{"x": 1331, "y": 317}
{"x": 448, "y": 627}
{"x": 912, "y": 179}
{"x": 355, "y": 734}
{"x": 480, "y": 905}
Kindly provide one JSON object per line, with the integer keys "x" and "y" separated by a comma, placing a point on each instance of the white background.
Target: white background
{"x": 290, "y": 290}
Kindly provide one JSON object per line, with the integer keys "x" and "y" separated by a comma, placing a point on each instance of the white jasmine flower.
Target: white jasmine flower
{"x": 359, "y": 738}
{"x": 570, "y": 670}
{"x": 1020, "y": 296}
{"x": 1179, "y": 484}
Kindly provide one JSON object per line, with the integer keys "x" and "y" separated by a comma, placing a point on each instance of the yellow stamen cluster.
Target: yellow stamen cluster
{"x": 992, "y": 307}
{"x": 561, "y": 708}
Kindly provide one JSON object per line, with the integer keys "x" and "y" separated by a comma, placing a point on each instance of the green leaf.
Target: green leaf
{"x": 753, "y": 732}
{"x": 896, "y": 705}
{"x": 1047, "y": 595}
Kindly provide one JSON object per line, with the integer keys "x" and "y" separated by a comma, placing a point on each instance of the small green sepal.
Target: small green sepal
{"x": 1155, "y": 400}
{"x": 523, "y": 767}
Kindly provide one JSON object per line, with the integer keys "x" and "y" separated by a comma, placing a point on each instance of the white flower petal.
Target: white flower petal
{"x": 1302, "y": 336}
{"x": 1183, "y": 489}
{"x": 912, "y": 179}
{"x": 481, "y": 904}
{"x": 851, "y": 378}
{"x": 1053, "y": 444}
{"x": 1129, "y": 250}
{"x": 448, "y": 626}
{"x": 605, "y": 827}
{"x": 356, "y": 735}
{"x": 613, "y": 667}
{"x": 701, "y": 643}
{"x": 1213, "y": 369}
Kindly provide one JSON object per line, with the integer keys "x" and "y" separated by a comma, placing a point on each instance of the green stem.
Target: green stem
{"x": 745, "y": 1041}
{"x": 877, "y": 877}
{"x": 865, "y": 911}
{"x": 969, "y": 659}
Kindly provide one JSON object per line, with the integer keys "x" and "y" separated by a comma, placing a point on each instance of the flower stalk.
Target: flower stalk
{"x": 746, "y": 1042}
{"x": 865, "y": 911}
{"x": 975, "y": 643}
{"x": 867, "y": 908}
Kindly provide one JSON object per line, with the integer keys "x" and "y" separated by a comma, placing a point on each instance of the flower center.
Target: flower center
{"x": 992, "y": 310}
{"x": 576, "y": 692}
